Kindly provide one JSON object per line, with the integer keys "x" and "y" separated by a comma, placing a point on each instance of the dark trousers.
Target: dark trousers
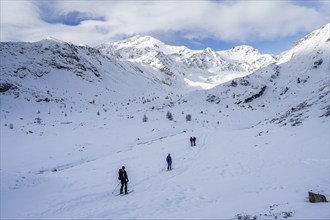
{"x": 169, "y": 166}
{"x": 123, "y": 184}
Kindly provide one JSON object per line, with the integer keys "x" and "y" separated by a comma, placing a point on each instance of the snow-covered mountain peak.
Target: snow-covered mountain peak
{"x": 242, "y": 53}
{"x": 209, "y": 51}
{"x": 248, "y": 57}
{"x": 149, "y": 44}
{"x": 244, "y": 50}
{"x": 52, "y": 39}
{"x": 139, "y": 42}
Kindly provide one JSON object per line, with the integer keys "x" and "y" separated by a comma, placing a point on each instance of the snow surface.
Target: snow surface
{"x": 256, "y": 155}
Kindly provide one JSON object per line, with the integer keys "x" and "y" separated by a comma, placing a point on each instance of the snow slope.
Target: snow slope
{"x": 262, "y": 140}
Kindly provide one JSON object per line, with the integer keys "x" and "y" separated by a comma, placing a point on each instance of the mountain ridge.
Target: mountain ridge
{"x": 179, "y": 73}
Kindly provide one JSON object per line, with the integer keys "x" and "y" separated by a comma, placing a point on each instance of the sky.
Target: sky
{"x": 270, "y": 26}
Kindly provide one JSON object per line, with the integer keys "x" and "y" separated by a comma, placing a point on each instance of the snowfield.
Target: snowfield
{"x": 262, "y": 140}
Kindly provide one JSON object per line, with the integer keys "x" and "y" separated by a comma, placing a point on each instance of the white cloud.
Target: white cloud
{"x": 223, "y": 20}
{"x": 263, "y": 20}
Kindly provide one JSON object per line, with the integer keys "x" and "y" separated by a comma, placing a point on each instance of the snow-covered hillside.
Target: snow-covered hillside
{"x": 71, "y": 116}
{"x": 52, "y": 73}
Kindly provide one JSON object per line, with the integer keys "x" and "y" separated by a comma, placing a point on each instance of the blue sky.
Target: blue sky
{"x": 270, "y": 26}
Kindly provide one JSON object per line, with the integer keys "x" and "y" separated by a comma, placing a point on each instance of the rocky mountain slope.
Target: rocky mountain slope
{"x": 56, "y": 72}
{"x": 297, "y": 82}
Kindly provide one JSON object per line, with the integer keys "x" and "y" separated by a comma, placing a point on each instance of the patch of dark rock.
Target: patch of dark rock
{"x": 315, "y": 197}
{"x": 244, "y": 82}
{"x": 4, "y": 87}
{"x": 255, "y": 96}
{"x": 318, "y": 63}
{"x": 233, "y": 83}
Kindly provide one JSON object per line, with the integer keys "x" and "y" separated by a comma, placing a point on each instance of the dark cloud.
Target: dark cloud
{"x": 51, "y": 14}
{"x": 72, "y": 18}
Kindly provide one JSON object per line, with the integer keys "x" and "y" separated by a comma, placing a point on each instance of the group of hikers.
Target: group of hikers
{"x": 122, "y": 174}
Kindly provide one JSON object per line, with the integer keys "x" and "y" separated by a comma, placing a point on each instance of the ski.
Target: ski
{"x": 123, "y": 194}
{"x": 128, "y": 192}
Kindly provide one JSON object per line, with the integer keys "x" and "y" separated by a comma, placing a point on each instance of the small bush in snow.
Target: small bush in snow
{"x": 169, "y": 116}
{"x": 38, "y": 120}
{"x": 145, "y": 118}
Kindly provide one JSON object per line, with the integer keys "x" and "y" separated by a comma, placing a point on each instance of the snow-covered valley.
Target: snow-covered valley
{"x": 71, "y": 116}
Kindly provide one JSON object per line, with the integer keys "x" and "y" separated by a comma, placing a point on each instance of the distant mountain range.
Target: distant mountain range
{"x": 202, "y": 68}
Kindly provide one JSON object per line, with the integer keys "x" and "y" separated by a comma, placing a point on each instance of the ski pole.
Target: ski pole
{"x": 115, "y": 188}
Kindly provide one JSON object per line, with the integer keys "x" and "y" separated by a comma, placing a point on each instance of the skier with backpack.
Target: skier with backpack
{"x": 122, "y": 176}
{"x": 169, "y": 162}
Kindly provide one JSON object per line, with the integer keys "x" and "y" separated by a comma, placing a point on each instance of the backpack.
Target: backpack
{"x": 120, "y": 174}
